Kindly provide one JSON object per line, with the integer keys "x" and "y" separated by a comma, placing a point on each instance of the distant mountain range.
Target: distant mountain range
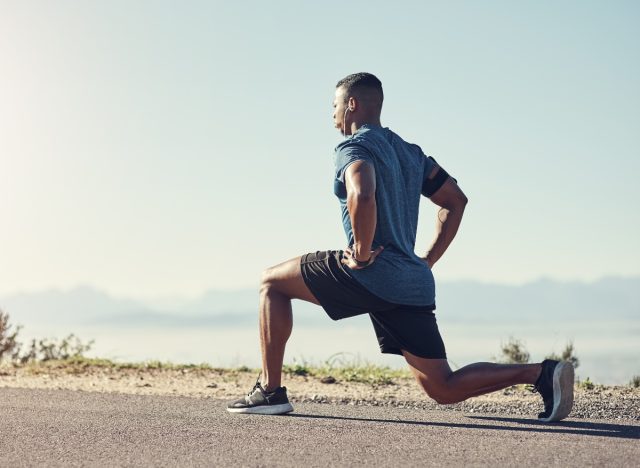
{"x": 458, "y": 301}
{"x": 605, "y": 299}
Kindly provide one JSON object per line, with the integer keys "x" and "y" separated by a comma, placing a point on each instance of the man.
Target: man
{"x": 379, "y": 180}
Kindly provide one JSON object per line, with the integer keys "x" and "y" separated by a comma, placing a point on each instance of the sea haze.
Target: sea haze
{"x": 220, "y": 327}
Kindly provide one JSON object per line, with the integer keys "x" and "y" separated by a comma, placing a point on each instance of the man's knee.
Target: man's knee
{"x": 438, "y": 390}
{"x": 267, "y": 280}
{"x": 441, "y": 395}
{"x": 444, "y": 399}
{"x": 286, "y": 280}
{"x": 274, "y": 280}
{"x": 433, "y": 376}
{"x": 438, "y": 393}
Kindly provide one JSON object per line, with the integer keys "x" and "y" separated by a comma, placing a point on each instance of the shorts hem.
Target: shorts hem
{"x": 398, "y": 352}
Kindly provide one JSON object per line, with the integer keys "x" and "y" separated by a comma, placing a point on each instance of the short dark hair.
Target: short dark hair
{"x": 354, "y": 81}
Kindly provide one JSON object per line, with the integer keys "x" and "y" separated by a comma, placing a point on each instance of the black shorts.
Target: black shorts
{"x": 398, "y": 327}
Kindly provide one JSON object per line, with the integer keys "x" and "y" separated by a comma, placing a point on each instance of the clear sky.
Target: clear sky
{"x": 153, "y": 148}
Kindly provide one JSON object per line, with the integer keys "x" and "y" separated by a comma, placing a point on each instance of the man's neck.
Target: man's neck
{"x": 355, "y": 126}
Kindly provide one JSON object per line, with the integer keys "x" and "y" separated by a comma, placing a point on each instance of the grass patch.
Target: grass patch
{"x": 79, "y": 364}
{"x": 586, "y": 384}
{"x": 346, "y": 368}
{"x": 369, "y": 374}
{"x": 303, "y": 370}
{"x": 341, "y": 367}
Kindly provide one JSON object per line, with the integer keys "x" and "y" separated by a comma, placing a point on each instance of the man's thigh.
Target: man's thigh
{"x": 286, "y": 278}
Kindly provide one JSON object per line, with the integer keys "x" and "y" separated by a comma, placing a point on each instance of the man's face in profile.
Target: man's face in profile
{"x": 339, "y": 106}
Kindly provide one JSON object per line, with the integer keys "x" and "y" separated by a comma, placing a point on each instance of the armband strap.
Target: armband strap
{"x": 431, "y": 186}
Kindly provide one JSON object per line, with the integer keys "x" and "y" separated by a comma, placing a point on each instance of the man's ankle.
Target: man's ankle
{"x": 268, "y": 388}
{"x": 537, "y": 372}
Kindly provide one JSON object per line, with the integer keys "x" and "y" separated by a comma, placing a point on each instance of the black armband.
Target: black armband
{"x": 431, "y": 186}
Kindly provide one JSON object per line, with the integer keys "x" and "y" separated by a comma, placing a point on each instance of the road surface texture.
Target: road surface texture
{"x": 74, "y": 428}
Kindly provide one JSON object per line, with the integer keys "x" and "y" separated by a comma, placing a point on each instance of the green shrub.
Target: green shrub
{"x": 635, "y": 381}
{"x": 514, "y": 352}
{"x": 566, "y": 355}
{"x": 586, "y": 384}
{"x": 9, "y": 346}
{"x": 66, "y": 348}
{"x": 38, "y": 350}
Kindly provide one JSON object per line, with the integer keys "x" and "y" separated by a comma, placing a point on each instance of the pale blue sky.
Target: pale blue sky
{"x": 153, "y": 148}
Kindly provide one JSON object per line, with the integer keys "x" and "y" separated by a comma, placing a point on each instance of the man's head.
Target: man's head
{"x": 358, "y": 99}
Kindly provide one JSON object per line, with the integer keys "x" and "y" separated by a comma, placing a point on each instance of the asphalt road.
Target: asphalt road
{"x": 67, "y": 428}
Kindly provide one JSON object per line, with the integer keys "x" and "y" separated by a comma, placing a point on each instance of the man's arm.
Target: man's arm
{"x": 360, "y": 181}
{"x": 452, "y": 202}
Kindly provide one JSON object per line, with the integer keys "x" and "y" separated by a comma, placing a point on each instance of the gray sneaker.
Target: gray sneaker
{"x": 555, "y": 385}
{"x": 258, "y": 401}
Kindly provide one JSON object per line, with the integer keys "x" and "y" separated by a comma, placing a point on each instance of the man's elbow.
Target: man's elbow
{"x": 460, "y": 198}
{"x": 457, "y": 202}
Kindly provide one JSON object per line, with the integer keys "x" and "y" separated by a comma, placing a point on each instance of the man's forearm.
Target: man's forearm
{"x": 447, "y": 224}
{"x": 363, "y": 215}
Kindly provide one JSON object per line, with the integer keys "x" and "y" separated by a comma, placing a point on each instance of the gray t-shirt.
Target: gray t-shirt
{"x": 398, "y": 275}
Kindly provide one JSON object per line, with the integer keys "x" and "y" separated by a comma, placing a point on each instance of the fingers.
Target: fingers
{"x": 377, "y": 252}
{"x": 348, "y": 258}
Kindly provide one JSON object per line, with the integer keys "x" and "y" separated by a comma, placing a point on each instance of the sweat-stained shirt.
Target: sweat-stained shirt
{"x": 398, "y": 275}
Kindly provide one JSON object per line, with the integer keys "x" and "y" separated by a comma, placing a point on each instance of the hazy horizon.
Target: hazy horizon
{"x": 255, "y": 288}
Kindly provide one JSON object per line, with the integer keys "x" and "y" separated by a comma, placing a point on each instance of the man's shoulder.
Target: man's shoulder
{"x": 352, "y": 143}
{"x": 367, "y": 141}
{"x": 354, "y": 148}
{"x": 377, "y": 142}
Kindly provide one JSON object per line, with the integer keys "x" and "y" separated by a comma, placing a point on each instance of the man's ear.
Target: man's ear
{"x": 352, "y": 104}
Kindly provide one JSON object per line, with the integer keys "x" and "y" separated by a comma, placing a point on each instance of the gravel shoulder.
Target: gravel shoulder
{"x": 598, "y": 402}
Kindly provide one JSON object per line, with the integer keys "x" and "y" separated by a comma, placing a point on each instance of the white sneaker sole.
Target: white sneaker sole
{"x": 264, "y": 409}
{"x": 562, "y": 392}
